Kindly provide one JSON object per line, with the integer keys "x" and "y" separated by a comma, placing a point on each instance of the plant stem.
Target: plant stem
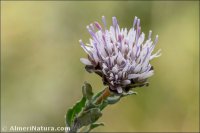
{"x": 99, "y": 100}
{"x": 106, "y": 93}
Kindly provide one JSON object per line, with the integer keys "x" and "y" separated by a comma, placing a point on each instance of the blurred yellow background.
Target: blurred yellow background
{"x": 41, "y": 75}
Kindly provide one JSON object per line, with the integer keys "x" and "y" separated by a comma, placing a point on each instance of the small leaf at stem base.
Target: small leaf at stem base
{"x": 72, "y": 112}
{"x": 87, "y": 91}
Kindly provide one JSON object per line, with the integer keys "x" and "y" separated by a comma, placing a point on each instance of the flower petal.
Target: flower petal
{"x": 126, "y": 82}
{"x": 119, "y": 89}
{"x": 85, "y": 61}
{"x": 133, "y": 76}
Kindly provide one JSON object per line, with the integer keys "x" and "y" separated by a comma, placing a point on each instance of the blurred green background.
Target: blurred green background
{"x": 41, "y": 75}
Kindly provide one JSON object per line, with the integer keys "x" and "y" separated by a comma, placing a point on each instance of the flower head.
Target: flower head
{"x": 121, "y": 57}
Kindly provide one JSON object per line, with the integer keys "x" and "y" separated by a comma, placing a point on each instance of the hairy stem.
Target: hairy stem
{"x": 98, "y": 101}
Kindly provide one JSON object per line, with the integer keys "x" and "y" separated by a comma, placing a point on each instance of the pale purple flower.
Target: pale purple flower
{"x": 121, "y": 57}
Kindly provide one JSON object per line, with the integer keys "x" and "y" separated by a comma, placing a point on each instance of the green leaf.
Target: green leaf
{"x": 113, "y": 99}
{"x": 75, "y": 110}
{"x": 129, "y": 93}
{"x": 89, "y": 117}
{"x": 95, "y": 125}
{"x": 90, "y": 105}
{"x": 97, "y": 95}
{"x": 103, "y": 104}
{"x": 87, "y": 91}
